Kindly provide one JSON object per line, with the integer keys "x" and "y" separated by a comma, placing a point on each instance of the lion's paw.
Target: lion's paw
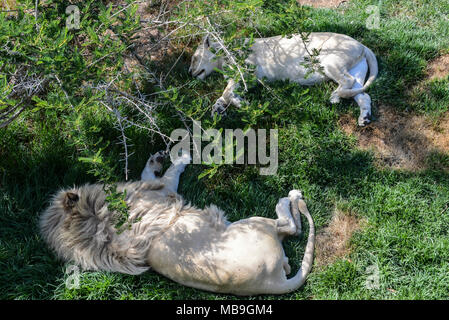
{"x": 364, "y": 120}
{"x": 237, "y": 101}
{"x": 295, "y": 194}
{"x": 159, "y": 156}
{"x": 184, "y": 159}
{"x": 335, "y": 98}
{"x": 219, "y": 108}
{"x": 153, "y": 166}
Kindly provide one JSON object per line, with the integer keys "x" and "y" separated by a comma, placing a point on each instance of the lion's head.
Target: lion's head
{"x": 204, "y": 61}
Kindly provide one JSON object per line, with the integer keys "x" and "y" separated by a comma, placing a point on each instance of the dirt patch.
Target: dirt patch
{"x": 151, "y": 43}
{"x": 144, "y": 44}
{"x": 438, "y": 68}
{"x": 323, "y": 3}
{"x": 401, "y": 140}
{"x": 332, "y": 242}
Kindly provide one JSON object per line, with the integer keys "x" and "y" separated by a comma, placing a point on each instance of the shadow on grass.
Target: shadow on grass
{"x": 34, "y": 166}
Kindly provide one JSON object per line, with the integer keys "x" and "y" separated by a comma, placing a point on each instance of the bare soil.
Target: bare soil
{"x": 333, "y": 242}
{"x": 400, "y": 140}
{"x": 438, "y": 68}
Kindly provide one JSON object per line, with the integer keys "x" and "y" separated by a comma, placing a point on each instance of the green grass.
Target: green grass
{"x": 407, "y": 232}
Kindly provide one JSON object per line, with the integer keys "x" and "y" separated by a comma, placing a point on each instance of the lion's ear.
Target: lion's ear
{"x": 206, "y": 41}
{"x": 70, "y": 200}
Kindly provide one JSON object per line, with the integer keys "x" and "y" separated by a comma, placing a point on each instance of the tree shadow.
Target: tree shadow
{"x": 32, "y": 169}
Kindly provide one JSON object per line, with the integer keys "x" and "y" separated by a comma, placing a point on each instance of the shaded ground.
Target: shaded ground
{"x": 151, "y": 44}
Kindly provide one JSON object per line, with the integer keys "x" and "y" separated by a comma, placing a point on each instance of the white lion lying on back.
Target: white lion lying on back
{"x": 343, "y": 59}
{"x": 195, "y": 247}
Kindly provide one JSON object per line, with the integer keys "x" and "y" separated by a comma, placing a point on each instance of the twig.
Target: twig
{"x": 229, "y": 54}
{"x": 445, "y": 208}
{"x": 62, "y": 88}
{"x": 105, "y": 56}
{"x": 14, "y": 116}
{"x": 36, "y": 13}
{"x": 116, "y": 13}
{"x": 123, "y": 140}
{"x": 5, "y": 114}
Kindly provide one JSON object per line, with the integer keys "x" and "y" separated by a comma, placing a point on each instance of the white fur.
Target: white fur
{"x": 244, "y": 258}
{"x": 342, "y": 58}
{"x": 195, "y": 247}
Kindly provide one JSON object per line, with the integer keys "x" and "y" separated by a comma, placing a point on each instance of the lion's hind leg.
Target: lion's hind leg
{"x": 341, "y": 76}
{"x": 229, "y": 97}
{"x": 286, "y": 226}
{"x": 285, "y": 223}
{"x": 286, "y": 266}
{"x": 363, "y": 99}
{"x": 294, "y": 195}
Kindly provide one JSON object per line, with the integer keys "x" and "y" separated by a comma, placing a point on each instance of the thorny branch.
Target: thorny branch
{"x": 164, "y": 31}
{"x": 123, "y": 139}
{"x": 21, "y": 86}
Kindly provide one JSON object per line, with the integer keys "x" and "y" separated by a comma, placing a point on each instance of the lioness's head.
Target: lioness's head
{"x": 203, "y": 60}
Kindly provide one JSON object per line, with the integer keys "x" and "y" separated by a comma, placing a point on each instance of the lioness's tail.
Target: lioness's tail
{"x": 298, "y": 280}
{"x": 373, "y": 70}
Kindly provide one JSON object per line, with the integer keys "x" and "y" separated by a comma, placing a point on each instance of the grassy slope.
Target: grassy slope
{"x": 407, "y": 232}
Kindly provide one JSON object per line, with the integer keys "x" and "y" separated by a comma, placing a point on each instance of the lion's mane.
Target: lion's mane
{"x": 79, "y": 226}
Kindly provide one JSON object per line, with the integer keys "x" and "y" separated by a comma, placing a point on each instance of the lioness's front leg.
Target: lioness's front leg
{"x": 171, "y": 176}
{"x": 229, "y": 97}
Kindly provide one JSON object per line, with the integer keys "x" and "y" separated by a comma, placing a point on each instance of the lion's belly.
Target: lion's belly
{"x": 283, "y": 63}
{"x": 201, "y": 257}
{"x": 282, "y": 58}
{"x": 294, "y": 71}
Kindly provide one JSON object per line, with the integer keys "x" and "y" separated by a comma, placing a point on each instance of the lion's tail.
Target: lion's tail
{"x": 373, "y": 70}
{"x": 298, "y": 280}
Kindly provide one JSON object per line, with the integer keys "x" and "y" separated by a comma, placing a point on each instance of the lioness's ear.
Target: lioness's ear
{"x": 206, "y": 41}
{"x": 70, "y": 199}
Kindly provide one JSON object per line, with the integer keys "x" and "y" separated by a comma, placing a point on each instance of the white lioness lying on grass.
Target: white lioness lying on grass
{"x": 195, "y": 247}
{"x": 342, "y": 58}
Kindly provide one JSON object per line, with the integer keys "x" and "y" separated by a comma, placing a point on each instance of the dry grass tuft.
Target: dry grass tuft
{"x": 333, "y": 241}
{"x": 9, "y": 6}
{"x": 322, "y": 3}
{"x": 438, "y": 68}
{"x": 400, "y": 140}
